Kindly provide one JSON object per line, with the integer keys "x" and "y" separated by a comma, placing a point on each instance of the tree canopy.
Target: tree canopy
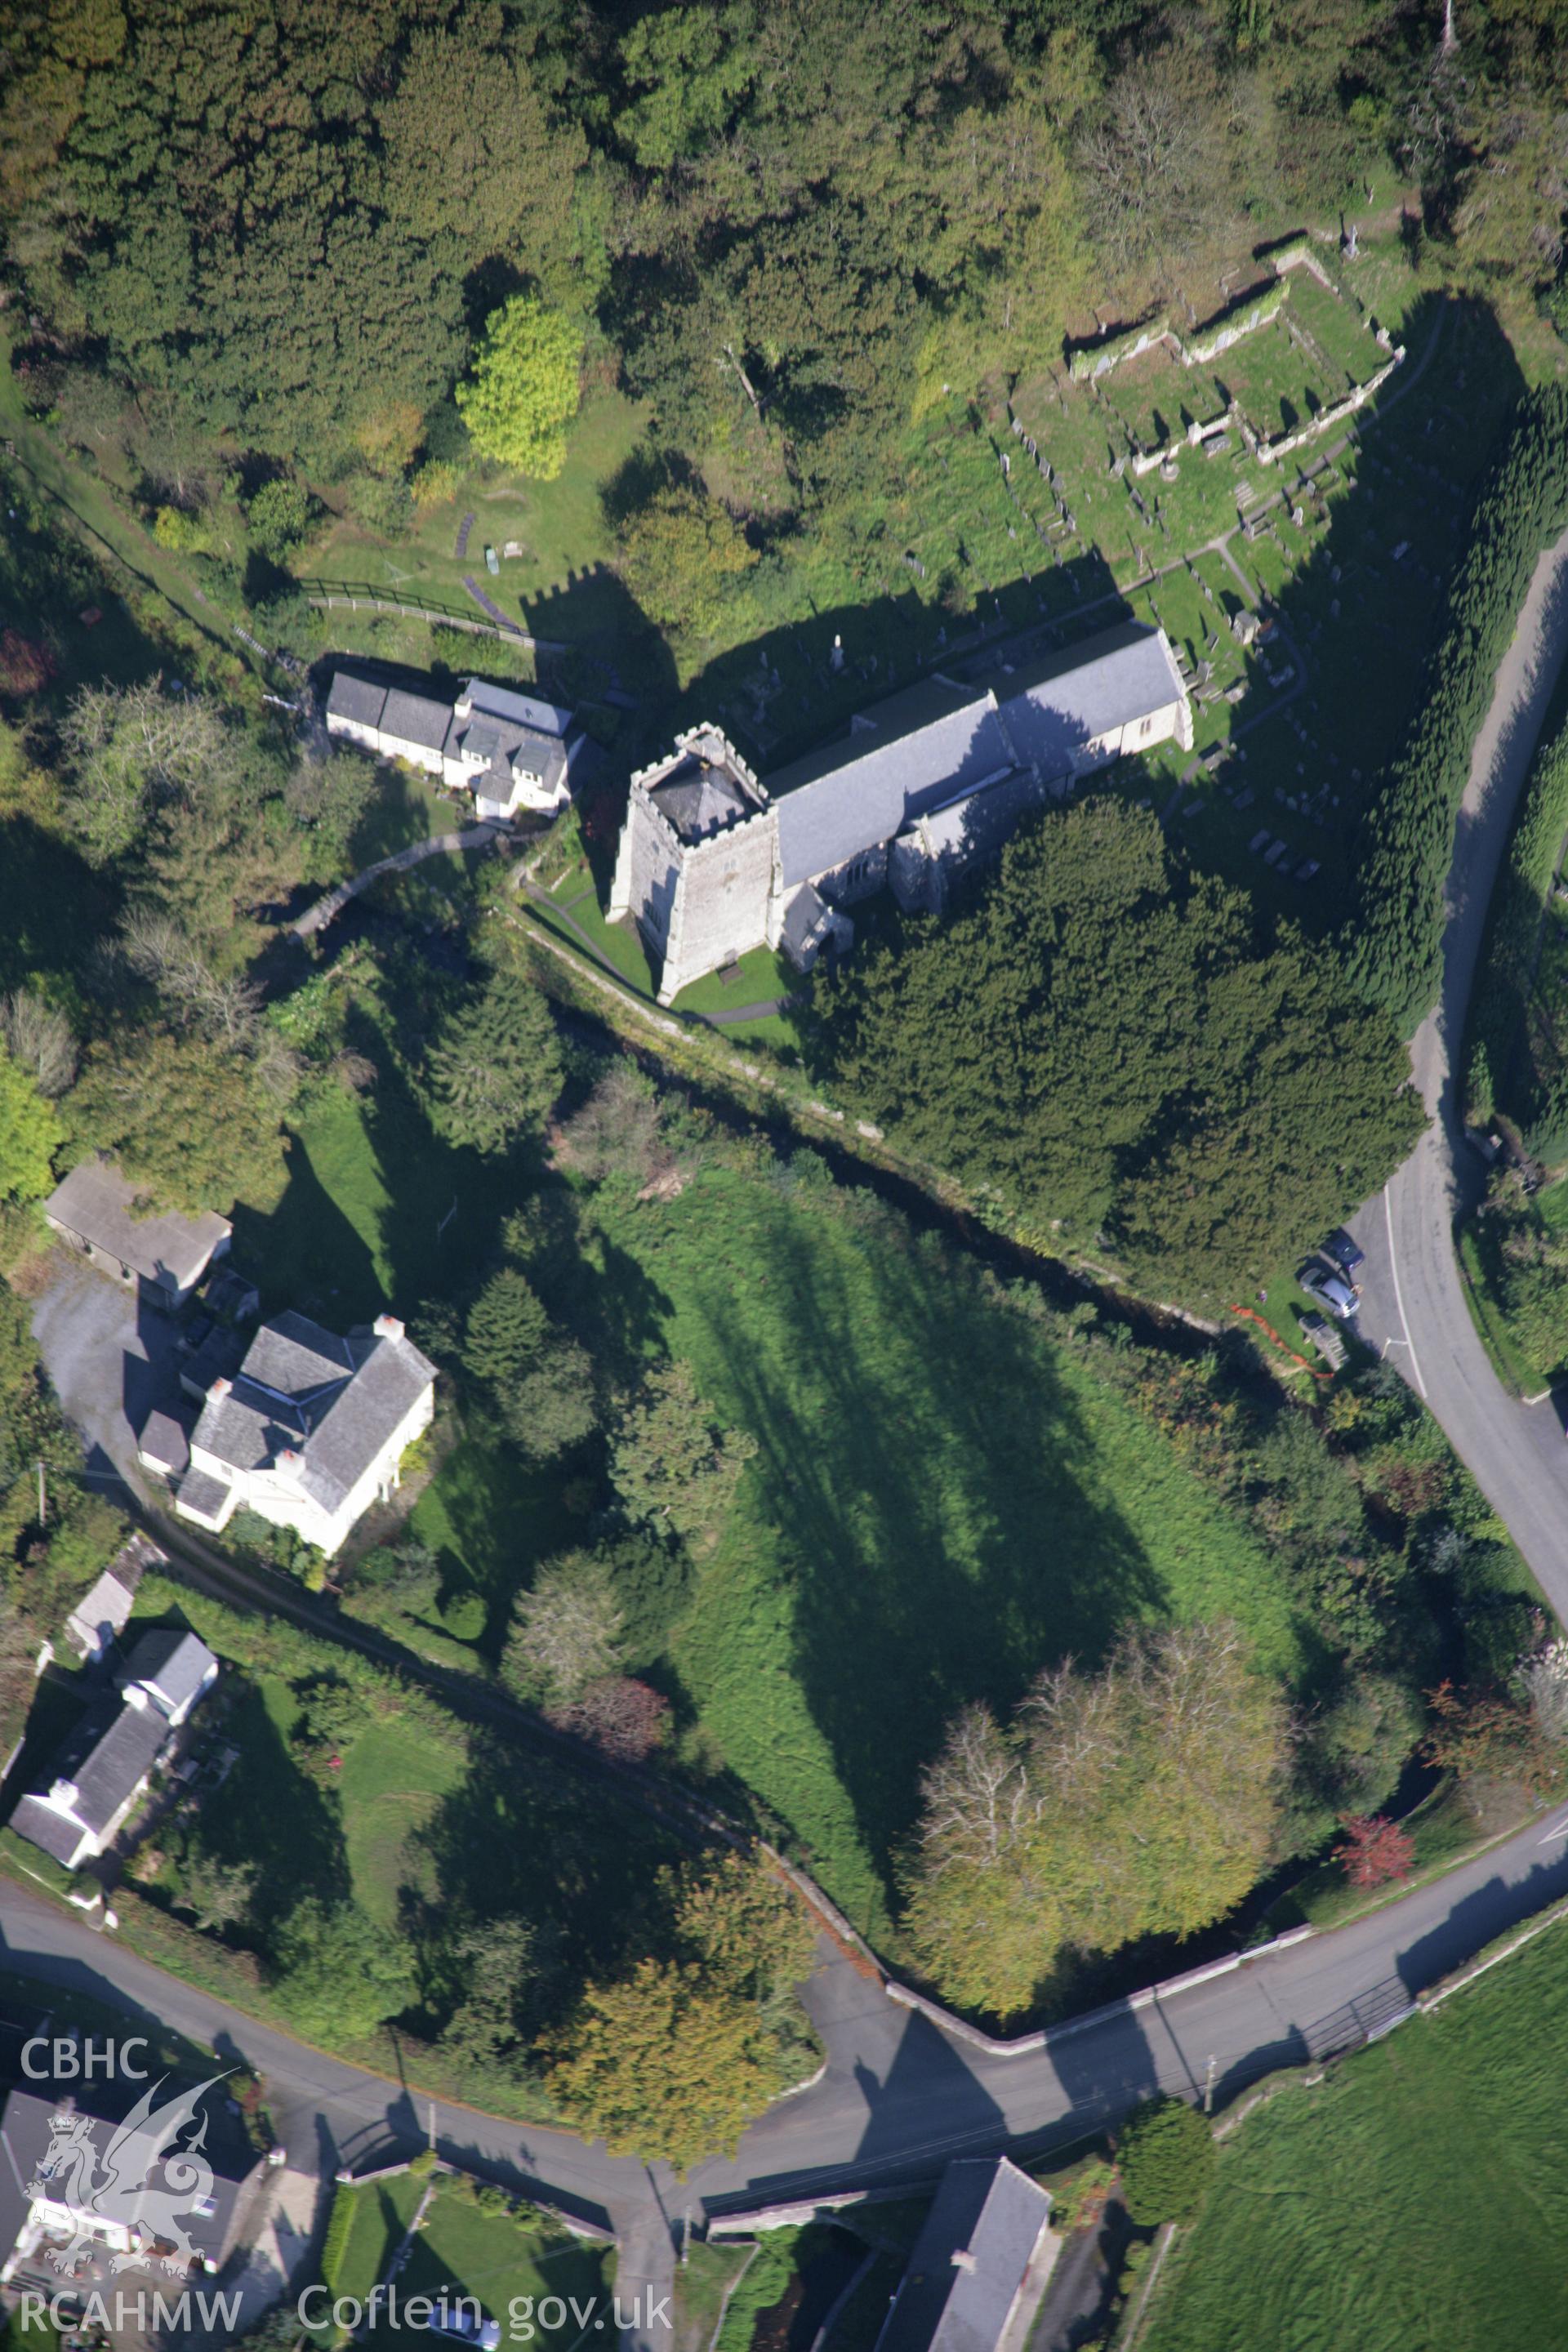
{"x": 1140, "y": 1801}
{"x": 30, "y": 1134}
{"x": 522, "y": 392}
{"x": 1112, "y": 1044}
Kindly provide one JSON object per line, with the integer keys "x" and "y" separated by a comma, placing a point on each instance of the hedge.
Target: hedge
{"x": 340, "y": 2229}
{"x": 1165, "y": 2154}
{"x": 1502, "y": 1072}
{"x": 1395, "y": 952}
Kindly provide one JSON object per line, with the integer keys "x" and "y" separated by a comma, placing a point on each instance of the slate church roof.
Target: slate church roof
{"x": 1055, "y": 706}
{"x": 905, "y": 755}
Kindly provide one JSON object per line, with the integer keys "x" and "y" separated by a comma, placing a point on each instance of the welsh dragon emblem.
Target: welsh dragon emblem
{"x": 122, "y": 2192}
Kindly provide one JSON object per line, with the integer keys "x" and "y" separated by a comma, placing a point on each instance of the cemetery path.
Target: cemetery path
{"x": 1414, "y": 1307}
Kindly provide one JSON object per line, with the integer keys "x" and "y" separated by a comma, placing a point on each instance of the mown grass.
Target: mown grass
{"x": 382, "y": 2213}
{"x": 942, "y": 1504}
{"x": 360, "y": 1224}
{"x": 1416, "y": 2197}
{"x": 500, "y": 2258}
{"x": 555, "y": 586}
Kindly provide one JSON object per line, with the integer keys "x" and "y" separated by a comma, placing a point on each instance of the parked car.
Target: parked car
{"x": 1329, "y": 1288}
{"x": 1343, "y": 1253}
{"x": 461, "y": 2325}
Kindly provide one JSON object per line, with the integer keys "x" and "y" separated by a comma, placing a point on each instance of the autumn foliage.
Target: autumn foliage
{"x": 1373, "y": 1850}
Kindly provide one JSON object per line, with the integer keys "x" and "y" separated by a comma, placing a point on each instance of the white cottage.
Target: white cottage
{"x": 311, "y": 1431}
{"x": 510, "y": 749}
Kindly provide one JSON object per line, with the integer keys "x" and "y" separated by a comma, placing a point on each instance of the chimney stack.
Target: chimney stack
{"x": 387, "y": 1327}
{"x": 220, "y": 1388}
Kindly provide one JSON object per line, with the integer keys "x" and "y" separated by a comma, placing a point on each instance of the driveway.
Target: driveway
{"x": 1413, "y": 1308}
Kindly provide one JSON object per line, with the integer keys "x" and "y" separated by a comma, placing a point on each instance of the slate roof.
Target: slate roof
{"x": 202, "y": 1493}
{"x": 987, "y": 2208}
{"x": 699, "y": 798}
{"x": 415, "y": 718}
{"x": 95, "y": 1201}
{"x": 175, "y": 1661}
{"x": 27, "y": 2130}
{"x": 106, "y": 1604}
{"x": 110, "y": 1750}
{"x": 907, "y": 755}
{"x": 302, "y": 1389}
{"x": 529, "y": 711}
{"x": 502, "y": 743}
{"x": 165, "y": 1443}
{"x": 977, "y": 823}
{"x": 802, "y": 915}
{"x": 1055, "y": 706}
{"x": 358, "y": 699}
{"x": 42, "y": 1826}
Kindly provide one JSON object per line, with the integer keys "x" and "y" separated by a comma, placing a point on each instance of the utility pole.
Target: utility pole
{"x": 1209, "y": 2090}
{"x": 43, "y": 1499}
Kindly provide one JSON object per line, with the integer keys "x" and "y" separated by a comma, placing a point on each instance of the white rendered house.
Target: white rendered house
{"x": 105, "y": 1770}
{"x": 312, "y": 1430}
{"x": 512, "y": 750}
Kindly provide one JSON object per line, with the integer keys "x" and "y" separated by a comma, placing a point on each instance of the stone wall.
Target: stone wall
{"x": 648, "y": 864}
{"x": 719, "y": 910}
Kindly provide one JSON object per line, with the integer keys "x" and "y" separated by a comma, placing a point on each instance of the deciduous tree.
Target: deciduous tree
{"x": 523, "y": 391}
{"x": 1166, "y": 2156}
{"x": 682, "y": 554}
{"x": 30, "y": 1134}
{"x": 1142, "y": 1800}
{"x": 671, "y": 1462}
{"x": 1373, "y": 1850}
{"x": 341, "y": 1973}
{"x": 565, "y": 1629}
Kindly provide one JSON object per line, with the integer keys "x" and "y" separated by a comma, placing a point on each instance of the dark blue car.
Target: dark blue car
{"x": 1346, "y": 1256}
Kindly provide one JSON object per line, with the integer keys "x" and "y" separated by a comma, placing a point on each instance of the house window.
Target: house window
{"x": 1146, "y": 726}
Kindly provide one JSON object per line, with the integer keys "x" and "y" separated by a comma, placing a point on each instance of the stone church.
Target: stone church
{"x": 713, "y": 862}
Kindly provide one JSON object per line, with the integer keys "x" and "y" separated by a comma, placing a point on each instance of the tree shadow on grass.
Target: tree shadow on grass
{"x": 522, "y": 1841}
{"x": 1354, "y": 629}
{"x": 397, "y": 815}
{"x": 306, "y": 1254}
{"x": 944, "y": 1524}
{"x": 269, "y": 1813}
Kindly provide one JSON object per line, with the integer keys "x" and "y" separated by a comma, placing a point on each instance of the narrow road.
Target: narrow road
{"x": 1414, "y": 1307}
{"x": 899, "y": 2097}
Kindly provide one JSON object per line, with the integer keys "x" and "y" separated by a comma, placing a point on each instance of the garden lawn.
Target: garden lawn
{"x": 1415, "y": 2196}
{"x": 502, "y": 2260}
{"x": 369, "y": 1185}
{"x": 942, "y": 1504}
{"x": 393, "y": 1777}
{"x": 381, "y": 2215}
{"x": 558, "y": 586}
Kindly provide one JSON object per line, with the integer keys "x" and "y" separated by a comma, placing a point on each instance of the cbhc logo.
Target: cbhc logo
{"x": 68, "y": 2059}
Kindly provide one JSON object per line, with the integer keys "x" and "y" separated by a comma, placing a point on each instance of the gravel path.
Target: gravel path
{"x": 440, "y": 844}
